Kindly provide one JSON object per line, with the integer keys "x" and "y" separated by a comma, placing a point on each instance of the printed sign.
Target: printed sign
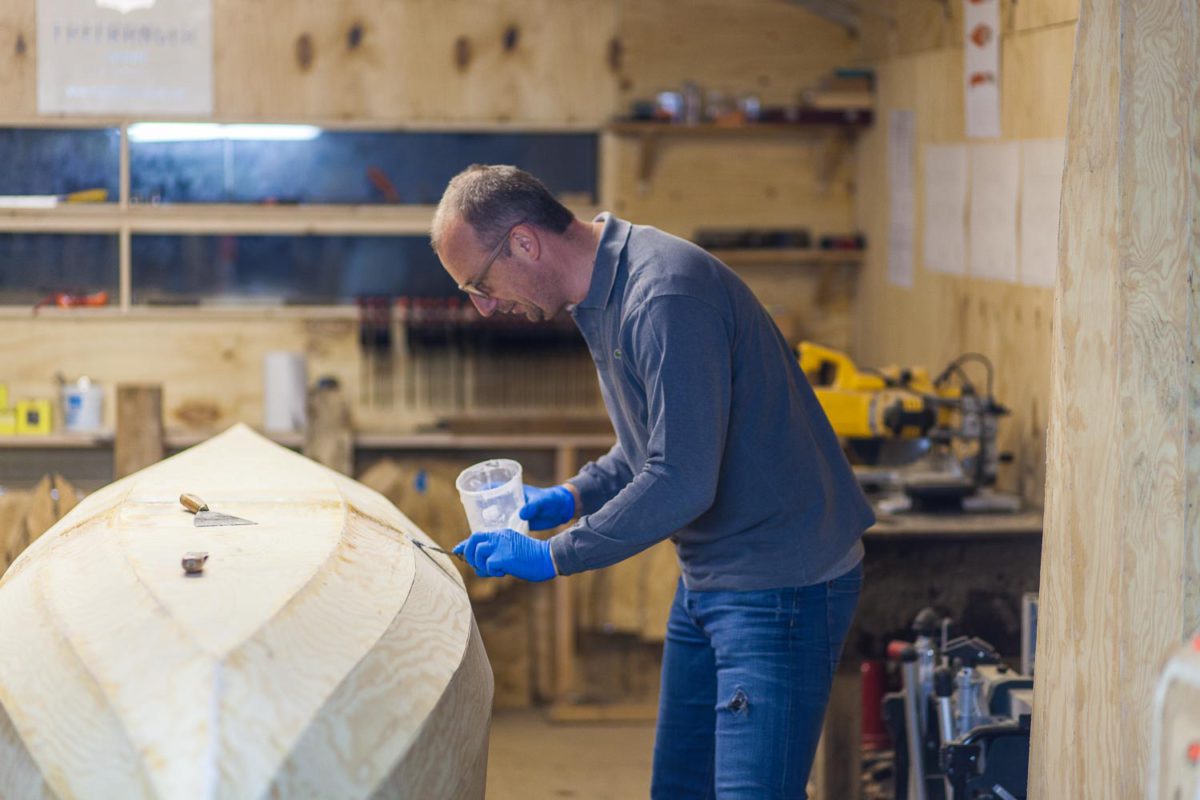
{"x": 125, "y": 57}
{"x": 982, "y": 61}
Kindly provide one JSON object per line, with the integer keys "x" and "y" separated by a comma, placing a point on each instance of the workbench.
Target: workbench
{"x": 973, "y": 567}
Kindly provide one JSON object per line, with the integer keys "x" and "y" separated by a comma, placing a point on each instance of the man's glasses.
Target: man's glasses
{"x": 474, "y": 287}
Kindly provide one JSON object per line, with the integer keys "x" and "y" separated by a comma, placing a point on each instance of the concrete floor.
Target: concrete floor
{"x": 530, "y": 758}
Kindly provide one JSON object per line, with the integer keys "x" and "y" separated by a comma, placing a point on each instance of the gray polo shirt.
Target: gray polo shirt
{"x": 722, "y": 445}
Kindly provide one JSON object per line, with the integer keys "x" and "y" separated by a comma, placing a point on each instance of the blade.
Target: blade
{"x": 424, "y": 546}
{"x": 211, "y": 519}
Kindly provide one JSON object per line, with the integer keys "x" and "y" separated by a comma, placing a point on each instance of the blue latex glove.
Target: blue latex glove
{"x": 495, "y": 554}
{"x": 547, "y": 508}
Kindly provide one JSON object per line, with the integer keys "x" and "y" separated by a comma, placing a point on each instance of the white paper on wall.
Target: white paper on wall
{"x": 981, "y": 48}
{"x": 995, "y": 173}
{"x": 945, "y": 209}
{"x": 901, "y": 236}
{"x": 125, "y": 57}
{"x": 1041, "y": 188}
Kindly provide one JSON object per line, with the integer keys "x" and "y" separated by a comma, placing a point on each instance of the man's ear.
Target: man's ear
{"x": 527, "y": 242}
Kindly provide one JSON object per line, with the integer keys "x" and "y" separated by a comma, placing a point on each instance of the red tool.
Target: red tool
{"x": 74, "y": 300}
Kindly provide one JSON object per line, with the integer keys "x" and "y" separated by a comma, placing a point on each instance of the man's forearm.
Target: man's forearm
{"x": 574, "y": 490}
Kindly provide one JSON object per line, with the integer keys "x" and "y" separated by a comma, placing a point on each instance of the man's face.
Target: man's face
{"x": 505, "y": 276}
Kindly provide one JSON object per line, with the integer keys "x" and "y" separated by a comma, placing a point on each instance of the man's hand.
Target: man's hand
{"x": 547, "y": 508}
{"x": 495, "y": 554}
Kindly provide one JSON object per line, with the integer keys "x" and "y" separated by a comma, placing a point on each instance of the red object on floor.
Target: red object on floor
{"x": 895, "y": 648}
{"x": 874, "y": 683}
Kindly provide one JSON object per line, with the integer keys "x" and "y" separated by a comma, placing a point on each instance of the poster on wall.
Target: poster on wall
{"x": 125, "y": 57}
{"x": 901, "y": 137}
{"x": 982, "y": 62}
{"x": 995, "y": 174}
{"x": 1041, "y": 189}
{"x": 945, "y": 217}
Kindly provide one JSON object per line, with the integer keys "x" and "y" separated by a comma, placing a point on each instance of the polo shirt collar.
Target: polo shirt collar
{"x": 604, "y": 271}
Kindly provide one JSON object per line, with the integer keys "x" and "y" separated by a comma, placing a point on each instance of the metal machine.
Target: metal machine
{"x": 962, "y": 732}
{"x": 934, "y": 438}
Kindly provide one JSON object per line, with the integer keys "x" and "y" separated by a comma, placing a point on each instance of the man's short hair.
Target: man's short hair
{"x": 492, "y": 198}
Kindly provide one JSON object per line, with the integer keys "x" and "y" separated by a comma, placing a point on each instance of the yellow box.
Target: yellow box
{"x": 33, "y": 417}
{"x": 3, "y": 397}
{"x": 8, "y": 422}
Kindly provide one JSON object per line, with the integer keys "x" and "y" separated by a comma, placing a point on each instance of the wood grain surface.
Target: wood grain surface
{"x": 1119, "y": 570}
{"x": 307, "y": 658}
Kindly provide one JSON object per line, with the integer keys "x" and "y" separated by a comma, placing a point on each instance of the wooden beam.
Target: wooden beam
{"x": 564, "y": 607}
{"x": 1120, "y": 583}
{"x": 329, "y": 434}
{"x": 139, "y": 435}
{"x": 837, "y": 766}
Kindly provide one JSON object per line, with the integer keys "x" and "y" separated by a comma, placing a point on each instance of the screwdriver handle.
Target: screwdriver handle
{"x": 193, "y": 503}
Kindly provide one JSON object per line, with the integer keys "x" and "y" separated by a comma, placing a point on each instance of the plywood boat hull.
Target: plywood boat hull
{"x": 320, "y": 654}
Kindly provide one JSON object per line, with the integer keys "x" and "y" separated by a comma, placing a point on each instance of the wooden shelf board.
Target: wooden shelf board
{"x": 326, "y": 123}
{"x": 66, "y": 218}
{"x": 57, "y": 441}
{"x": 226, "y": 219}
{"x": 179, "y": 439}
{"x": 481, "y": 441}
{"x": 719, "y": 130}
{"x": 787, "y": 257}
{"x": 231, "y": 313}
{"x": 955, "y": 526}
{"x": 649, "y": 135}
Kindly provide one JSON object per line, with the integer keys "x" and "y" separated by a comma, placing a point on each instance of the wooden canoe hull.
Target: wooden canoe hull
{"x": 319, "y": 654}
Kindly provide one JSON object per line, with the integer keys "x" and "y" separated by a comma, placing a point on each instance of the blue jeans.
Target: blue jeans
{"x": 745, "y": 682}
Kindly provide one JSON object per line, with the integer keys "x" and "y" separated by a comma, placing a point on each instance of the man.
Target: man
{"x": 721, "y": 447}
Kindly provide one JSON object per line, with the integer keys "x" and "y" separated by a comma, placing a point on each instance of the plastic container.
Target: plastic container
{"x": 82, "y": 406}
{"x": 492, "y": 493}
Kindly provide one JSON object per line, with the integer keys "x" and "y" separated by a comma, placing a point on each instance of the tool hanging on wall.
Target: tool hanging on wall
{"x": 73, "y": 300}
{"x": 376, "y": 341}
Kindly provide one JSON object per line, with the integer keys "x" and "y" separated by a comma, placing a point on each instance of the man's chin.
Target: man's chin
{"x": 534, "y": 314}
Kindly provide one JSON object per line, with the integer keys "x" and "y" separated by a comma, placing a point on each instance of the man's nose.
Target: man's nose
{"x": 485, "y": 305}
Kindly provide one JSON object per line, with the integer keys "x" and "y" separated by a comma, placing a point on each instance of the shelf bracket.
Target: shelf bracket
{"x": 834, "y": 148}
{"x": 647, "y": 156}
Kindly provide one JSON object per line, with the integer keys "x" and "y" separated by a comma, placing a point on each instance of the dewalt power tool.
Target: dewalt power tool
{"x": 942, "y": 430}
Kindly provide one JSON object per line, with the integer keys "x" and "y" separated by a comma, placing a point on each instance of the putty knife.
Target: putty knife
{"x": 206, "y": 518}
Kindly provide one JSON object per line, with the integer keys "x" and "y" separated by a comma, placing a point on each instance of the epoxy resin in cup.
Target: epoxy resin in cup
{"x": 492, "y": 493}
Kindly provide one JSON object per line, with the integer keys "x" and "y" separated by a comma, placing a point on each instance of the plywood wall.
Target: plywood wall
{"x": 529, "y": 61}
{"x": 210, "y": 363}
{"x": 524, "y": 61}
{"x": 767, "y": 47}
{"x": 770, "y": 49}
{"x": 458, "y": 62}
{"x": 919, "y": 67}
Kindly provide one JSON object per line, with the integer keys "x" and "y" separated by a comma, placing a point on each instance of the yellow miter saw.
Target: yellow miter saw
{"x": 933, "y": 438}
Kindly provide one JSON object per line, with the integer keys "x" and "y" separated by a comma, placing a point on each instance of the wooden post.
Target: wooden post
{"x": 329, "y": 434}
{"x": 139, "y": 436}
{"x": 564, "y": 607}
{"x": 837, "y": 767}
{"x": 1120, "y": 583}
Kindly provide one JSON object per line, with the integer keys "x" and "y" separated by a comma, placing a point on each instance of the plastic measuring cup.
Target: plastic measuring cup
{"x": 492, "y": 493}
